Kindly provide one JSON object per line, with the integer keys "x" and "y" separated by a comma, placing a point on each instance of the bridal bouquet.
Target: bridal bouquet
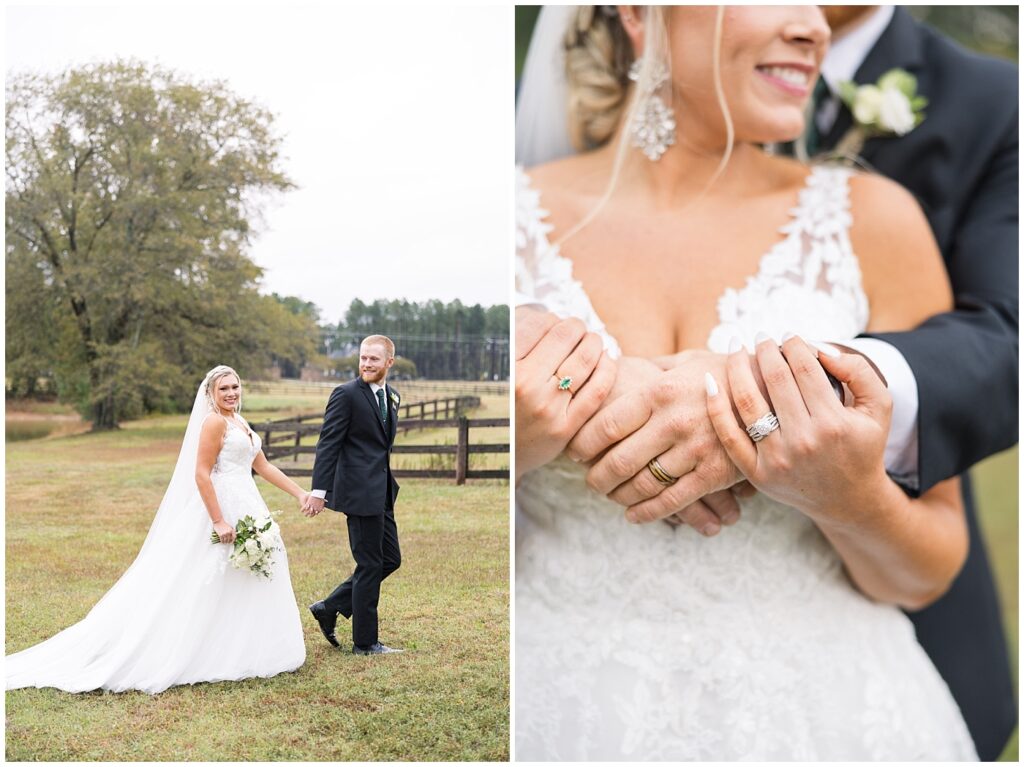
{"x": 254, "y": 545}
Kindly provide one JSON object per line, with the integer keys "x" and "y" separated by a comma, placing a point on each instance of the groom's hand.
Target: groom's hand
{"x": 666, "y": 419}
{"x": 313, "y": 506}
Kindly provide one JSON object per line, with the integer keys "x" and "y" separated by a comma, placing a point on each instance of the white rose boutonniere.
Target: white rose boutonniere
{"x": 890, "y": 107}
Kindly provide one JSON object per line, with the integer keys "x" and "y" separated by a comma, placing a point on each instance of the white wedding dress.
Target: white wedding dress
{"x": 180, "y": 614}
{"x": 653, "y": 643}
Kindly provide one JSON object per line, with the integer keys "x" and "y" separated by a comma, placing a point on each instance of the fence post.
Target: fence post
{"x": 462, "y": 452}
{"x": 298, "y": 439}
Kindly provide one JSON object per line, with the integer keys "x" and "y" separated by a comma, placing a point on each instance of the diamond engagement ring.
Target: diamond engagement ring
{"x": 660, "y": 474}
{"x": 763, "y": 426}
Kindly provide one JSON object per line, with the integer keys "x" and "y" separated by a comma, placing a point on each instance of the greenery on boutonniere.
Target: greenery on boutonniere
{"x": 890, "y": 107}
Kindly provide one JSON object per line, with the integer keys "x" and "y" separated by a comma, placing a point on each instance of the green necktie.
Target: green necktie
{"x": 812, "y": 139}
{"x": 383, "y": 407}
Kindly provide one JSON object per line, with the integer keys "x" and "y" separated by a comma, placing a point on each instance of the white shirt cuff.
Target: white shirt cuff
{"x": 319, "y": 493}
{"x": 901, "y": 449}
{"x": 524, "y": 299}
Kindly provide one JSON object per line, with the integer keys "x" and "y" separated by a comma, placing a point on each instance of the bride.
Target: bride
{"x": 777, "y": 636}
{"x": 181, "y": 614}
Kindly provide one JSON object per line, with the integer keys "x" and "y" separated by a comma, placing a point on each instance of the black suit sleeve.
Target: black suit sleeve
{"x": 965, "y": 361}
{"x": 337, "y": 417}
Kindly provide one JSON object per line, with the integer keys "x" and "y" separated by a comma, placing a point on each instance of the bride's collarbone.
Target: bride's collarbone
{"x": 659, "y": 295}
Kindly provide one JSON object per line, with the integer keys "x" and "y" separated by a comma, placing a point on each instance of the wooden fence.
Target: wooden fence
{"x": 286, "y": 387}
{"x": 283, "y": 439}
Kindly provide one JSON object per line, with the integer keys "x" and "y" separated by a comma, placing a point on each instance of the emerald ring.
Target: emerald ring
{"x": 564, "y": 383}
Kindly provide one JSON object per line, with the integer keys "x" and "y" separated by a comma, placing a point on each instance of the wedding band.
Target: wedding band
{"x": 564, "y": 382}
{"x": 659, "y": 473}
{"x": 763, "y": 426}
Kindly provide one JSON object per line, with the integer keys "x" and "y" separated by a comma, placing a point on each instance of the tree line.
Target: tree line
{"x": 442, "y": 340}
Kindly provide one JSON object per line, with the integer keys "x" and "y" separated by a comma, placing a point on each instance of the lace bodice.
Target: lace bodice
{"x": 648, "y": 642}
{"x": 812, "y": 271}
{"x": 238, "y": 451}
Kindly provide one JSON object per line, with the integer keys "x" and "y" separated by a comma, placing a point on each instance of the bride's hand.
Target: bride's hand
{"x": 663, "y": 418}
{"x": 824, "y": 459}
{"x": 550, "y": 351}
{"x": 224, "y": 531}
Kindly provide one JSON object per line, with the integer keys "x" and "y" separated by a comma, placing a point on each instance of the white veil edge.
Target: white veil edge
{"x": 542, "y": 125}
{"x": 182, "y": 488}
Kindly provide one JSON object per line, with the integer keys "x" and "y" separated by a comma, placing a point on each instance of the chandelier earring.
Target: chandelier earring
{"x": 653, "y": 129}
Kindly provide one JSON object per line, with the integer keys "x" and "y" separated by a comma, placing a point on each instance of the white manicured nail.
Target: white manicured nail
{"x": 826, "y": 349}
{"x": 709, "y": 383}
{"x": 760, "y": 338}
{"x": 735, "y": 345}
{"x": 788, "y": 336}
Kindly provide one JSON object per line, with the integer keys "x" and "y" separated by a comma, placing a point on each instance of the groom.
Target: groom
{"x": 352, "y": 474}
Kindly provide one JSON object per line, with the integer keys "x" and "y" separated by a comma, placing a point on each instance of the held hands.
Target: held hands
{"x": 823, "y": 456}
{"x": 550, "y": 351}
{"x": 311, "y": 506}
{"x": 665, "y": 419}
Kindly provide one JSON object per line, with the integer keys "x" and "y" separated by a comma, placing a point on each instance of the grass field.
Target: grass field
{"x": 996, "y": 485}
{"x": 77, "y": 510}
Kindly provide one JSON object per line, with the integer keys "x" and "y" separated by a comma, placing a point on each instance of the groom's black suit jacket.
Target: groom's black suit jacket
{"x": 962, "y": 165}
{"x": 353, "y": 452}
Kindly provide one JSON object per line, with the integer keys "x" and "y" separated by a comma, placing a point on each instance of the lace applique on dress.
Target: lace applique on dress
{"x": 542, "y": 272}
{"x": 813, "y": 273}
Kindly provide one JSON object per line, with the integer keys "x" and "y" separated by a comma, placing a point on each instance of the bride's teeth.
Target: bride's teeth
{"x": 792, "y": 76}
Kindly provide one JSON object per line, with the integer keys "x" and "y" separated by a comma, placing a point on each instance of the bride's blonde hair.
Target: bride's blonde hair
{"x": 598, "y": 55}
{"x": 210, "y": 385}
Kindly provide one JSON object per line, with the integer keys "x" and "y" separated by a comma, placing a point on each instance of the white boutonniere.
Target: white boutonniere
{"x": 395, "y": 398}
{"x": 890, "y": 107}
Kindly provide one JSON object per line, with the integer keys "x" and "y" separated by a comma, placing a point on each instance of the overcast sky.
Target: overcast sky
{"x": 397, "y": 125}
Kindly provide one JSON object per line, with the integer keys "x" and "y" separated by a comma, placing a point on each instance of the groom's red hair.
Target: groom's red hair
{"x": 387, "y": 343}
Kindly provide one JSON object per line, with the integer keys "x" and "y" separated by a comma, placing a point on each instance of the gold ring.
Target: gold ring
{"x": 660, "y": 474}
{"x": 564, "y": 382}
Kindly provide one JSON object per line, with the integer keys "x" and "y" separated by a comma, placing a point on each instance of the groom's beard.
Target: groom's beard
{"x": 376, "y": 377}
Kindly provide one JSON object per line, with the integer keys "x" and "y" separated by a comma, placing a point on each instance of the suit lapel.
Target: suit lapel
{"x": 392, "y": 414}
{"x": 898, "y": 47}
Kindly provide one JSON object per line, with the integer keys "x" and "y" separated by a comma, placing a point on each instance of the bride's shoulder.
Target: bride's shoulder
{"x": 903, "y": 272}
{"x": 569, "y": 177}
{"x": 882, "y": 210}
{"x": 213, "y": 427}
{"x": 557, "y": 192}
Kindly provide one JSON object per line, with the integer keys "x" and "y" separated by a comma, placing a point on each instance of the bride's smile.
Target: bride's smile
{"x": 228, "y": 394}
{"x": 768, "y": 63}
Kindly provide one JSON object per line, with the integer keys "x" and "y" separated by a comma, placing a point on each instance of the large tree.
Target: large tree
{"x": 130, "y": 196}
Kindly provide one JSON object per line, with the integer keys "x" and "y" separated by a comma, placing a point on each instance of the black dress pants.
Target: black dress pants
{"x": 374, "y": 544}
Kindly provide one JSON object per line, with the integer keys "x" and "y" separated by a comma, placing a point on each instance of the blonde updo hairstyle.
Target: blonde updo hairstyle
{"x": 210, "y": 385}
{"x": 598, "y": 56}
